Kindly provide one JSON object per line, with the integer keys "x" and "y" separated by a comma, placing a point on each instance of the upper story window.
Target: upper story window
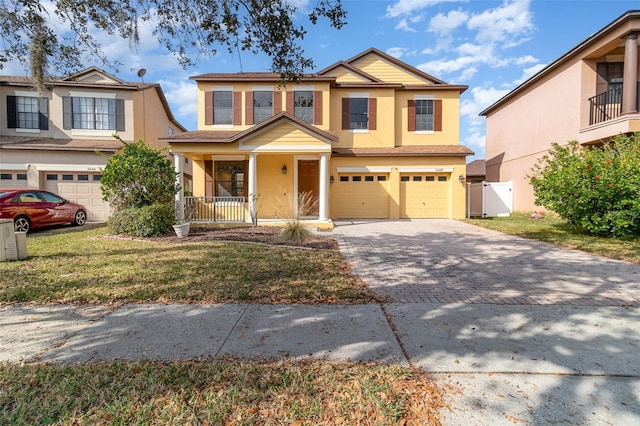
{"x": 223, "y": 107}
{"x": 424, "y": 114}
{"x": 27, "y": 113}
{"x": 262, "y": 106}
{"x": 359, "y": 112}
{"x": 93, "y": 113}
{"x": 303, "y": 105}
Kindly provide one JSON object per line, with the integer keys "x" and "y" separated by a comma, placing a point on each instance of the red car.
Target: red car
{"x": 32, "y": 208}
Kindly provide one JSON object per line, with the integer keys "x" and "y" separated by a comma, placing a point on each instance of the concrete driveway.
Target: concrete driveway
{"x": 528, "y": 333}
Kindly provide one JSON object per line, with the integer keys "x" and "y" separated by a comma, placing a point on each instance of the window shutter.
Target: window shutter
{"x": 373, "y": 113}
{"x": 411, "y": 115}
{"x": 237, "y": 108}
{"x": 43, "y": 114}
{"x": 208, "y": 108}
{"x": 120, "y": 115}
{"x": 248, "y": 113}
{"x": 290, "y": 107}
{"x": 277, "y": 102}
{"x": 317, "y": 107}
{"x": 345, "y": 114}
{"x": 12, "y": 112}
{"x": 245, "y": 180}
{"x": 67, "y": 113}
{"x": 437, "y": 115}
{"x": 208, "y": 178}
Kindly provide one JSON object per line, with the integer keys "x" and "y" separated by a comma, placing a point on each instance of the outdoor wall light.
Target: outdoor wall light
{"x": 284, "y": 169}
{"x": 462, "y": 178}
{"x": 332, "y": 179}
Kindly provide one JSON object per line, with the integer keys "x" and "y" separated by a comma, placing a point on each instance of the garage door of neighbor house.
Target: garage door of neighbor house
{"x": 81, "y": 188}
{"x": 424, "y": 195}
{"x": 362, "y": 196}
{"x": 13, "y": 179}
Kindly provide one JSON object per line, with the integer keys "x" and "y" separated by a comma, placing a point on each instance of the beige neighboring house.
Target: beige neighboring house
{"x": 50, "y": 141}
{"x": 590, "y": 94}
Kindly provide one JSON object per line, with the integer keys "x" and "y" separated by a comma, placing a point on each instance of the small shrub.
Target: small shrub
{"x": 148, "y": 221}
{"x": 294, "y": 231}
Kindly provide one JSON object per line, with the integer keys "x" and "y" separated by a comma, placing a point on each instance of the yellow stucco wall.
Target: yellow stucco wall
{"x": 244, "y": 87}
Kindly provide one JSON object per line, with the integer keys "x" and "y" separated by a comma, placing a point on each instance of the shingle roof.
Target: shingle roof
{"x": 477, "y": 168}
{"x": 37, "y": 143}
{"x": 404, "y": 151}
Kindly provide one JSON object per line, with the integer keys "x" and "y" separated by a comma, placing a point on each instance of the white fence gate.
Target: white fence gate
{"x": 489, "y": 199}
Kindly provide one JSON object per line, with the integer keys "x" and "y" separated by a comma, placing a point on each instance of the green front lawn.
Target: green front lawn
{"x": 217, "y": 393}
{"x": 87, "y": 267}
{"x": 554, "y": 230}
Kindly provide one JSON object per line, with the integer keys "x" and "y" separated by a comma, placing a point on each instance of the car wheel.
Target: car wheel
{"x": 21, "y": 224}
{"x": 80, "y": 218}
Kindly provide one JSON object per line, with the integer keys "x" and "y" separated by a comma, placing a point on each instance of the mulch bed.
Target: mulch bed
{"x": 259, "y": 234}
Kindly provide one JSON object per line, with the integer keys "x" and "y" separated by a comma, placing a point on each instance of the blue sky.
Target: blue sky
{"x": 491, "y": 46}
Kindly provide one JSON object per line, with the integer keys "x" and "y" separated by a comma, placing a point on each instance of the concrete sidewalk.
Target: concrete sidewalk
{"x": 511, "y": 364}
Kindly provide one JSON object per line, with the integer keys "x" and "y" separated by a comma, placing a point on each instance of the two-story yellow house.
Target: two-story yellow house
{"x": 370, "y": 137}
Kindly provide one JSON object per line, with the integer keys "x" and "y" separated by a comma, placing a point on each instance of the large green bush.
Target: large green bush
{"x": 147, "y": 221}
{"x": 140, "y": 184}
{"x": 596, "y": 189}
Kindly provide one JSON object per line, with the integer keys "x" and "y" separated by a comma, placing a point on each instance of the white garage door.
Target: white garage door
{"x": 81, "y": 188}
{"x": 13, "y": 179}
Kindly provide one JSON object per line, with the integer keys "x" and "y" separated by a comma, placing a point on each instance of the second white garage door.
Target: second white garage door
{"x": 425, "y": 195}
{"x": 81, "y": 188}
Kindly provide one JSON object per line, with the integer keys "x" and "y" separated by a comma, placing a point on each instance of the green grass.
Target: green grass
{"x": 217, "y": 393}
{"x": 555, "y": 230}
{"x": 87, "y": 267}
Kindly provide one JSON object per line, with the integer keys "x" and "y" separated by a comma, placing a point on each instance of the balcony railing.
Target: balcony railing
{"x": 605, "y": 106}
{"x": 214, "y": 209}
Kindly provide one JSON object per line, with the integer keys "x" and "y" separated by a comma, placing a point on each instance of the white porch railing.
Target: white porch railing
{"x": 214, "y": 209}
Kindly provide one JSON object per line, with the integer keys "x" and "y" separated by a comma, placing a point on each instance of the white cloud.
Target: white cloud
{"x": 481, "y": 98}
{"x": 181, "y": 93}
{"x": 410, "y": 7}
{"x": 528, "y": 59}
{"x": 503, "y": 24}
{"x": 403, "y": 25}
{"x": 396, "y": 52}
{"x": 476, "y": 141}
{"x": 445, "y": 24}
{"x": 528, "y": 72}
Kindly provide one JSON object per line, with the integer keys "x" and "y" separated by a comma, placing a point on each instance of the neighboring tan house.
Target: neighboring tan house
{"x": 476, "y": 171}
{"x": 370, "y": 137}
{"x": 590, "y": 94}
{"x": 50, "y": 140}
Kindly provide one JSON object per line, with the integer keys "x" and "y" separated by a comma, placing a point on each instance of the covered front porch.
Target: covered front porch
{"x": 275, "y": 172}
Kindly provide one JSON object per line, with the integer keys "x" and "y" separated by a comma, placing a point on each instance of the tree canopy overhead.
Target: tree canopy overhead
{"x": 188, "y": 28}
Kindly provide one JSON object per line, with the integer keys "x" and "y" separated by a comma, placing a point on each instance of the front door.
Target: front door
{"x": 308, "y": 188}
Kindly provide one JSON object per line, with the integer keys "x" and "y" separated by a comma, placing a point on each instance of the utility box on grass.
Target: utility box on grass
{"x": 489, "y": 199}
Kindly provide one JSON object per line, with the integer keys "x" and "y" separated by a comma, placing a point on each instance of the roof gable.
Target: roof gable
{"x": 347, "y": 73}
{"x": 94, "y": 75}
{"x": 389, "y": 69}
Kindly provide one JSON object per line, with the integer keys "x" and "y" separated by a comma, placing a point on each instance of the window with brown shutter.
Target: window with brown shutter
{"x": 317, "y": 107}
{"x": 411, "y": 115}
{"x": 277, "y": 102}
{"x": 237, "y": 108}
{"x": 289, "y": 101}
{"x": 373, "y": 113}
{"x": 248, "y": 108}
{"x": 437, "y": 115}
{"x": 208, "y": 178}
{"x": 208, "y": 108}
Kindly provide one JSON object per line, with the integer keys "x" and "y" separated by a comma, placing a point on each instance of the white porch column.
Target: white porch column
{"x": 178, "y": 161}
{"x": 324, "y": 190}
{"x": 253, "y": 183}
{"x": 630, "y": 75}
